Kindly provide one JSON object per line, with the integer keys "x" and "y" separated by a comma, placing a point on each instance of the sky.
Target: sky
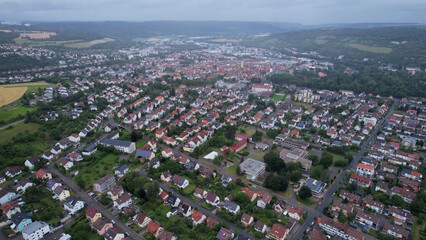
{"x": 308, "y": 12}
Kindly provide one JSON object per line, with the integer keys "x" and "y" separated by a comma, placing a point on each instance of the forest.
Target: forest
{"x": 384, "y": 83}
{"x": 16, "y": 62}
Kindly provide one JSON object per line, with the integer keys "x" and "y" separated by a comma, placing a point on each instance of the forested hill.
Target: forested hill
{"x": 131, "y": 30}
{"x": 398, "y": 45}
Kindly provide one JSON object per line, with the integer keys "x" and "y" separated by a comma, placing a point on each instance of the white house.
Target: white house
{"x": 6, "y": 196}
{"x": 124, "y": 201}
{"x": 31, "y": 162}
{"x": 74, "y": 138}
{"x": 67, "y": 164}
{"x": 73, "y": 204}
{"x": 35, "y": 231}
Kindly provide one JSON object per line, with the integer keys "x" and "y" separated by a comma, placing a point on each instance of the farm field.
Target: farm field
{"x": 31, "y": 86}
{"x": 9, "y": 95}
{"x": 21, "y": 128}
{"x": 372, "y": 49}
{"x": 88, "y": 44}
{"x": 68, "y": 43}
{"x": 36, "y": 35}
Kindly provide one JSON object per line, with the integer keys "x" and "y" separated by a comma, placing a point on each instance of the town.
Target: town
{"x": 185, "y": 139}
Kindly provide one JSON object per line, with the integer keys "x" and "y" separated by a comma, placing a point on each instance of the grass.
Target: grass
{"x": 91, "y": 172}
{"x": 256, "y": 155}
{"x": 277, "y": 96}
{"x": 6, "y": 114}
{"x": 233, "y": 169}
{"x": 21, "y": 128}
{"x": 416, "y": 231}
{"x": 9, "y": 95}
{"x": 248, "y": 131}
{"x": 371, "y": 49}
{"x": 190, "y": 189}
{"x": 141, "y": 143}
{"x": 307, "y": 202}
{"x": 88, "y": 44}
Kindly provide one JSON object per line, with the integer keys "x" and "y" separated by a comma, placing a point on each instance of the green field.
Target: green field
{"x": 88, "y": 44}
{"x": 256, "y": 155}
{"x": 8, "y": 114}
{"x": 92, "y": 171}
{"x": 248, "y": 131}
{"x": 21, "y": 128}
{"x": 371, "y": 49}
{"x": 233, "y": 169}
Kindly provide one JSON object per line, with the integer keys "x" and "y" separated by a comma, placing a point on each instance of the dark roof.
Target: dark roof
{"x": 116, "y": 142}
{"x": 19, "y": 217}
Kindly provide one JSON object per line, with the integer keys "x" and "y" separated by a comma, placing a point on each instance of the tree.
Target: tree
{"x": 316, "y": 172}
{"x": 104, "y": 200}
{"x": 152, "y": 190}
{"x": 134, "y": 136}
{"x": 238, "y": 171}
{"x": 230, "y": 132}
{"x": 272, "y": 133}
{"x": 276, "y": 182}
{"x": 326, "y": 160}
{"x": 314, "y": 158}
{"x": 305, "y": 192}
{"x": 242, "y": 199}
{"x": 273, "y": 162}
{"x": 257, "y": 136}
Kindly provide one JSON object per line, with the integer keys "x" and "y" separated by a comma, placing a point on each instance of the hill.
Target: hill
{"x": 398, "y": 45}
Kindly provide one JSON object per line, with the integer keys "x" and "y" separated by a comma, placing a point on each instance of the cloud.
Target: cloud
{"x": 301, "y": 11}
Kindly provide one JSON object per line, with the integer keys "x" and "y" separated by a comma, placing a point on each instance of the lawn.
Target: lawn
{"x": 256, "y": 155}
{"x": 7, "y": 115}
{"x": 371, "y": 49}
{"x": 307, "y": 202}
{"x": 233, "y": 169}
{"x": 248, "y": 131}
{"x": 21, "y": 128}
{"x": 92, "y": 171}
{"x": 277, "y": 96}
{"x": 190, "y": 189}
{"x": 416, "y": 232}
{"x": 141, "y": 143}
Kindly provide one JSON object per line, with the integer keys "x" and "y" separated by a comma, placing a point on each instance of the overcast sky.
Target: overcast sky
{"x": 296, "y": 11}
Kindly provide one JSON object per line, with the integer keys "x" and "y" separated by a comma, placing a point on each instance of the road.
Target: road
{"x": 198, "y": 206}
{"x": 90, "y": 202}
{"x": 11, "y": 124}
{"x": 328, "y": 197}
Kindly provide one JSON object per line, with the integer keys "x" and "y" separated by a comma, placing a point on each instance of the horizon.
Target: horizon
{"x": 301, "y": 12}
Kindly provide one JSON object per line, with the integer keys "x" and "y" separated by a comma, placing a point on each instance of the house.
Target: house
{"x": 246, "y": 220}
{"x": 10, "y": 208}
{"x": 207, "y": 173}
{"x": 65, "y": 163}
{"x": 368, "y": 202}
{"x": 200, "y": 193}
{"x": 260, "y": 227}
{"x": 104, "y": 184}
{"x": 316, "y": 186}
{"x": 212, "y": 199}
{"x": 43, "y": 174}
{"x": 367, "y": 220}
{"x": 250, "y": 193}
{"x": 73, "y": 204}
{"x": 122, "y": 170}
{"x": 264, "y": 200}
{"x": 231, "y": 207}
{"x": 317, "y": 235}
{"x": 154, "y": 228}
{"x": 91, "y": 149}
{"x": 124, "y": 201}
{"x": 101, "y": 226}
{"x": 396, "y": 231}
{"x": 185, "y": 209}
{"x": 365, "y": 170}
{"x": 20, "y": 221}
{"x": 341, "y": 230}
{"x": 279, "y": 206}
{"x": 339, "y": 207}
{"x": 124, "y": 146}
{"x": 180, "y": 181}
{"x": 93, "y": 214}
{"x": 6, "y": 196}
{"x": 400, "y": 216}
{"x": 252, "y": 168}
{"x": 145, "y": 154}
{"x": 32, "y": 162}
{"x": 61, "y": 193}
{"x": 114, "y": 234}
{"x": 35, "y": 231}
{"x": 406, "y": 194}
{"x": 168, "y": 152}
{"x": 352, "y": 198}
{"x": 173, "y": 200}
{"x": 166, "y": 176}
{"x": 360, "y": 180}
{"x": 295, "y": 213}
{"x": 23, "y": 184}
{"x": 154, "y": 163}
{"x": 74, "y": 156}
{"x": 74, "y": 138}
{"x": 141, "y": 219}
{"x": 47, "y": 155}
{"x": 211, "y": 223}
{"x": 12, "y": 171}
{"x": 278, "y": 232}
{"x": 224, "y": 234}
{"x": 197, "y": 217}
